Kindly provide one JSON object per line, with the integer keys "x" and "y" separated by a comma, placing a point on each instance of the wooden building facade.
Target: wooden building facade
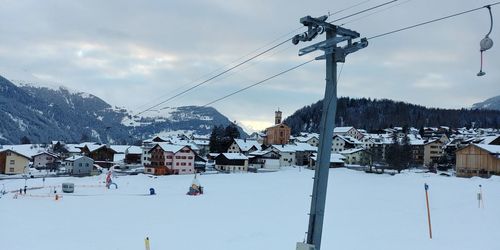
{"x": 478, "y": 160}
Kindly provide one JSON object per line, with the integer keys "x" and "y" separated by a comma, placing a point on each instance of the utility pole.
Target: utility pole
{"x": 333, "y": 54}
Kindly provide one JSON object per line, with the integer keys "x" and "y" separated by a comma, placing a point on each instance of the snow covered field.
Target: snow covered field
{"x": 252, "y": 211}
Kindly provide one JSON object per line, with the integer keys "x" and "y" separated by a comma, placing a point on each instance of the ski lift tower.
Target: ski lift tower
{"x": 333, "y": 53}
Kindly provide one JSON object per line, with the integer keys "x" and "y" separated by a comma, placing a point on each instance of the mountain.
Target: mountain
{"x": 375, "y": 114}
{"x": 492, "y": 103}
{"x": 43, "y": 114}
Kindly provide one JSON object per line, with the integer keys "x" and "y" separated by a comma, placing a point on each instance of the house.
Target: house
{"x": 279, "y": 133}
{"x": 266, "y": 159}
{"x": 478, "y": 160}
{"x": 287, "y": 154}
{"x": 355, "y": 156}
{"x": 12, "y": 162}
{"x": 126, "y": 156}
{"x": 302, "y": 153}
{"x": 309, "y": 138}
{"x": 45, "y": 160}
{"x": 103, "y": 155}
{"x": 341, "y": 143}
{"x": 417, "y": 151}
{"x": 336, "y": 161}
{"x": 243, "y": 146}
{"x": 231, "y": 162}
{"x": 79, "y": 165}
{"x": 169, "y": 158}
{"x": 348, "y": 131}
{"x": 433, "y": 150}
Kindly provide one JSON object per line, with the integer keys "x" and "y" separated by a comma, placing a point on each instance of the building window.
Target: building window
{"x": 183, "y": 157}
{"x": 11, "y": 169}
{"x": 189, "y": 164}
{"x": 12, "y": 162}
{"x": 177, "y": 164}
{"x": 190, "y": 157}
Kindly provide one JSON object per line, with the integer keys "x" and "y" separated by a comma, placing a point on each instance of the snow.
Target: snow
{"x": 253, "y": 211}
{"x": 28, "y": 150}
{"x": 246, "y": 145}
{"x": 493, "y": 149}
{"x": 235, "y": 156}
{"x": 342, "y": 129}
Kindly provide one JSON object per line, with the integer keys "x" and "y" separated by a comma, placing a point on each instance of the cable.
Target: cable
{"x": 257, "y": 83}
{"x": 376, "y": 12}
{"x": 348, "y": 8}
{"x": 213, "y": 77}
{"x": 340, "y": 73}
{"x": 363, "y": 11}
{"x": 431, "y": 21}
{"x": 251, "y": 58}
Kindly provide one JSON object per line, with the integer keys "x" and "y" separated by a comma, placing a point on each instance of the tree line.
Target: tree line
{"x": 374, "y": 115}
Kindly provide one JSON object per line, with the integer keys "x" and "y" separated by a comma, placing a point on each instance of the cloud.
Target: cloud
{"x": 130, "y": 52}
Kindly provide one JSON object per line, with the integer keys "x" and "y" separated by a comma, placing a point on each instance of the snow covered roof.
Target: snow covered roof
{"x": 493, "y": 149}
{"x": 25, "y": 156}
{"x": 288, "y": 148}
{"x": 28, "y": 150}
{"x": 304, "y": 137}
{"x": 351, "y": 151}
{"x": 235, "y": 156}
{"x": 342, "y": 129}
{"x": 300, "y": 146}
{"x": 170, "y": 147}
{"x": 122, "y": 149}
{"x": 348, "y": 139}
{"x": 246, "y": 145}
{"x": 334, "y": 158}
{"x": 75, "y": 157}
{"x": 489, "y": 139}
{"x": 73, "y": 148}
{"x": 47, "y": 153}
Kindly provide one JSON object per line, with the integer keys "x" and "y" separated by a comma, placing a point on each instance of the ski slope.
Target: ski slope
{"x": 252, "y": 211}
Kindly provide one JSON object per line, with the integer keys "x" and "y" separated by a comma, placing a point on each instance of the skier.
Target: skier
{"x": 25, "y": 189}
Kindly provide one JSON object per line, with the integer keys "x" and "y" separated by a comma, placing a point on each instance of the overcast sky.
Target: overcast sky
{"x": 133, "y": 53}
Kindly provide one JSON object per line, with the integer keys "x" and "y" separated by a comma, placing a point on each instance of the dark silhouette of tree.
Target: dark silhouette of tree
{"x": 25, "y": 140}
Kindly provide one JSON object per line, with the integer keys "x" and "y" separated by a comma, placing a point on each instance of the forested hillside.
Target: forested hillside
{"x": 373, "y": 114}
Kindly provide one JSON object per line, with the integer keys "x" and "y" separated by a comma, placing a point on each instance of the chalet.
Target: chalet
{"x": 336, "y": 161}
{"x": 231, "y": 162}
{"x": 266, "y": 159}
{"x": 45, "y": 160}
{"x": 243, "y": 146}
{"x": 279, "y": 133}
{"x": 12, "y": 162}
{"x": 311, "y": 139}
{"x": 348, "y": 131}
{"x": 168, "y": 158}
{"x": 478, "y": 160}
{"x": 127, "y": 156}
{"x": 354, "y": 156}
{"x": 286, "y": 152}
{"x": 302, "y": 153}
{"x": 341, "y": 143}
{"x": 79, "y": 165}
{"x": 103, "y": 155}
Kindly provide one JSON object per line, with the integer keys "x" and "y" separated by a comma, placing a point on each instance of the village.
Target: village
{"x": 464, "y": 152}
